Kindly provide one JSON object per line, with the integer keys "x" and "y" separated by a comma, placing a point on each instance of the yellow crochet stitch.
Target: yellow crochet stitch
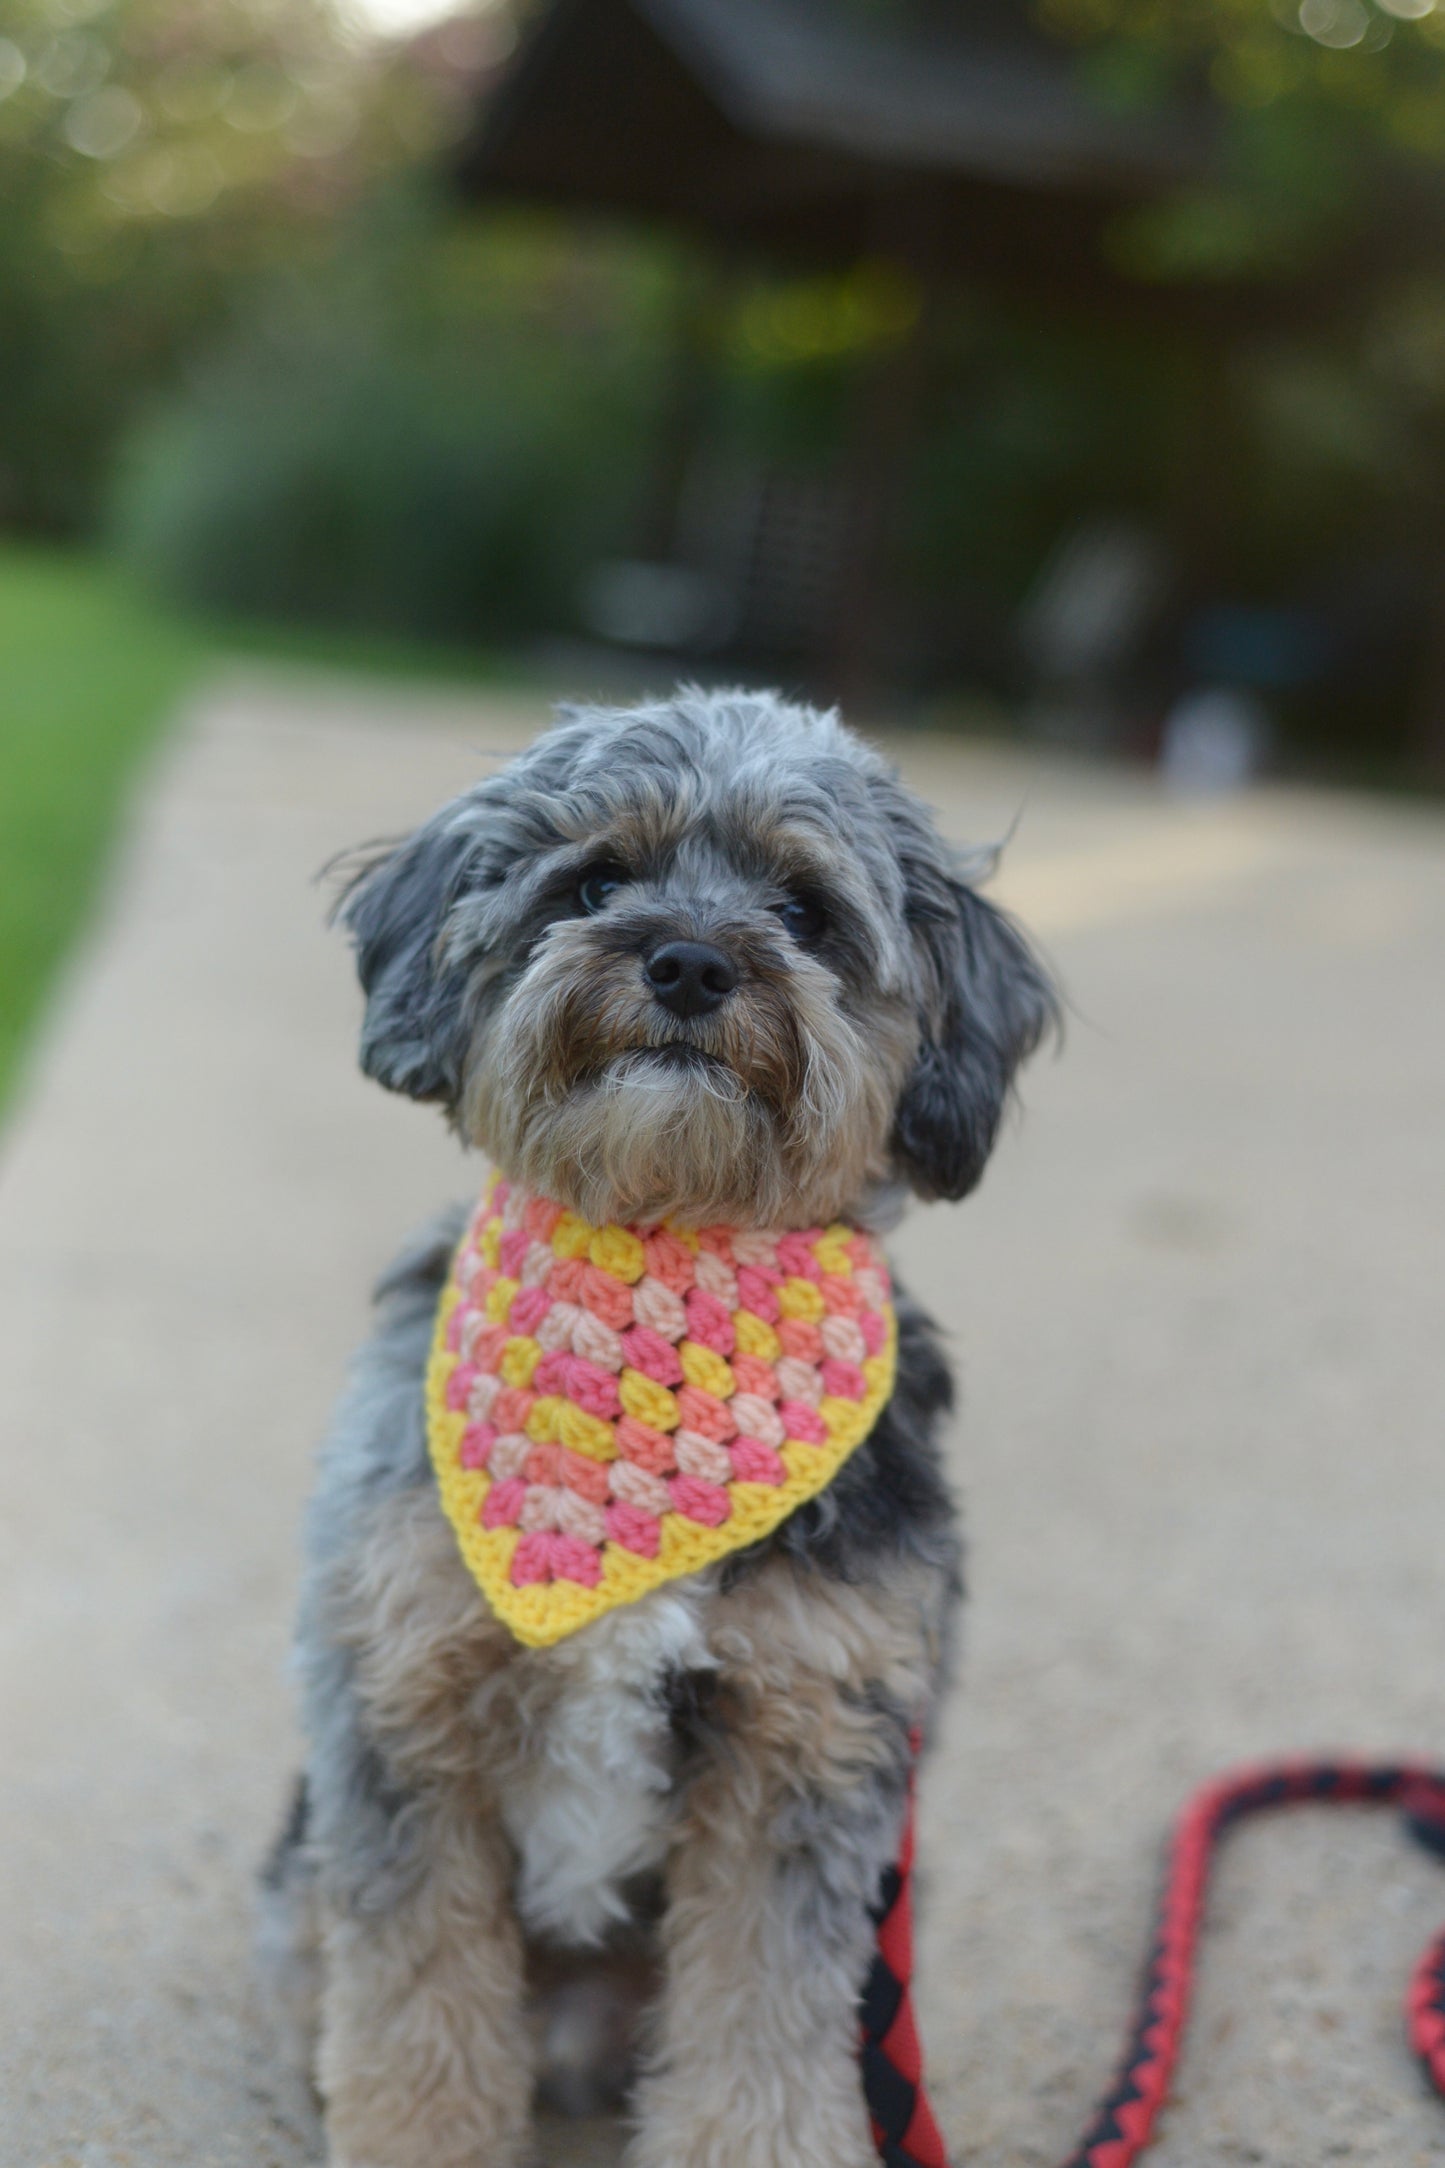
{"x": 609, "y": 1408}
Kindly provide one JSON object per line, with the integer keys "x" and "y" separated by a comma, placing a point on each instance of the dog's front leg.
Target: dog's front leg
{"x": 425, "y": 2059}
{"x": 793, "y": 1814}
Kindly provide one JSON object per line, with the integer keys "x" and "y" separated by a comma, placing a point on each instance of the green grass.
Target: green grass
{"x": 87, "y": 678}
{"x": 90, "y": 672}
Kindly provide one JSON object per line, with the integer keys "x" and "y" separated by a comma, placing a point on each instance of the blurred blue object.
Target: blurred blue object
{"x": 1273, "y": 650}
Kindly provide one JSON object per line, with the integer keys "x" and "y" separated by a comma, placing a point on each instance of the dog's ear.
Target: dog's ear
{"x": 396, "y": 909}
{"x": 987, "y": 1004}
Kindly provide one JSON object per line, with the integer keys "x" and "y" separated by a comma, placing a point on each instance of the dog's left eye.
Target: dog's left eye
{"x": 804, "y": 918}
{"x": 596, "y": 889}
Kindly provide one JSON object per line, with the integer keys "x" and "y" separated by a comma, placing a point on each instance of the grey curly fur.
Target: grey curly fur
{"x": 876, "y": 1058}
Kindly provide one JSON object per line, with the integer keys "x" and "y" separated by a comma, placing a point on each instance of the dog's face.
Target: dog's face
{"x": 705, "y": 958}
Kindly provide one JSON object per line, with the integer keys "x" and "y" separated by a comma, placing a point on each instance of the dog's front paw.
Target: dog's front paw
{"x": 398, "y": 2151}
{"x": 733, "y": 2121}
{"x": 427, "y": 2133}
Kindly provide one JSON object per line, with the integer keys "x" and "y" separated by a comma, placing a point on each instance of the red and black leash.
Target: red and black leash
{"x": 903, "y": 2125}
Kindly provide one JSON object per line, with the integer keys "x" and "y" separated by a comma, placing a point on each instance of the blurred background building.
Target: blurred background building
{"x": 1074, "y": 366}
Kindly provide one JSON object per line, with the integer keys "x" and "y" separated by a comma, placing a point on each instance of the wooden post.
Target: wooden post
{"x": 705, "y": 290}
{"x": 883, "y": 432}
{"x": 1426, "y": 749}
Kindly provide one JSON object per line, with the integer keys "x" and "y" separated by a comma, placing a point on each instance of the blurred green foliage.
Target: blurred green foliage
{"x": 437, "y": 432}
{"x": 158, "y": 157}
{"x": 1323, "y": 110}
{"x": 245, "y": 332}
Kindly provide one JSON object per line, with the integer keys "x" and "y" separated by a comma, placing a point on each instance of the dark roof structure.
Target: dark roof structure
{"x": 1000, "y": 106}
{"x": 795, "y": 129}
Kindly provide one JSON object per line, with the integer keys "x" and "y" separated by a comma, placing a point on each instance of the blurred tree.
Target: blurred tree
{"x": 1332, "y": 155}
{"x": 1331, "y": 112}
{"x": 154, "y": 156}
{"x": 438, "y": 430}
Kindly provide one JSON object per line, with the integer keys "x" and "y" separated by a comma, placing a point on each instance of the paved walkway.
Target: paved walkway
{"x": 1198, "y": 1304}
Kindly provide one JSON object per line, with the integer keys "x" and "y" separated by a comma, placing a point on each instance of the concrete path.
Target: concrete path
{"x": 1199, "y": 1308}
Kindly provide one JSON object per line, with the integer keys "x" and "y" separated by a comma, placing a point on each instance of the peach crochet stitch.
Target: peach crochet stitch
{"x": 611, "y": 1407}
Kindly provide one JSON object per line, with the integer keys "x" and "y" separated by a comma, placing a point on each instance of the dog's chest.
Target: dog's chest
{"x": 586, "y": 1795}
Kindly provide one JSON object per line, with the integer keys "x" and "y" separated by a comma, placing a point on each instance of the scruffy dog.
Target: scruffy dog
{"x": 703, "y": 962}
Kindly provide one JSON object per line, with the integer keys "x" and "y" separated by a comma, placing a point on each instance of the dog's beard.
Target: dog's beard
{"x": 774, "y": 1110}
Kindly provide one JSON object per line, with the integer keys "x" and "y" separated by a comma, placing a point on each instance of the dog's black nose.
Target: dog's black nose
{"x": 690, "y": 978}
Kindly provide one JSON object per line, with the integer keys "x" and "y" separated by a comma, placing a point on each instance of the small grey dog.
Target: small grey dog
{"x": 704, "y": 959}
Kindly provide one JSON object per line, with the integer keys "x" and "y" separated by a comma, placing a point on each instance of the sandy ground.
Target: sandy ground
{"x": 1197, "y": 1303}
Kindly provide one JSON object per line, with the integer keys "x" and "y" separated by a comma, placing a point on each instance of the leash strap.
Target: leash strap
{"x": 892, "y": 2057}
{"x": 892, "y": 2063}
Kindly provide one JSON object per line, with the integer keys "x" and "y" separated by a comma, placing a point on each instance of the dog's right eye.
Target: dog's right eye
{"x": 596, "y": 889}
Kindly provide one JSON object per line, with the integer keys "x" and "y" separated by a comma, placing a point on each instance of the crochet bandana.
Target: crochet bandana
{"x": 609, "y": 1408}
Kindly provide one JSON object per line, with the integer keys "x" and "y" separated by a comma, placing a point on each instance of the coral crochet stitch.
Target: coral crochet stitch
{"x": 609, "y": 1408}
